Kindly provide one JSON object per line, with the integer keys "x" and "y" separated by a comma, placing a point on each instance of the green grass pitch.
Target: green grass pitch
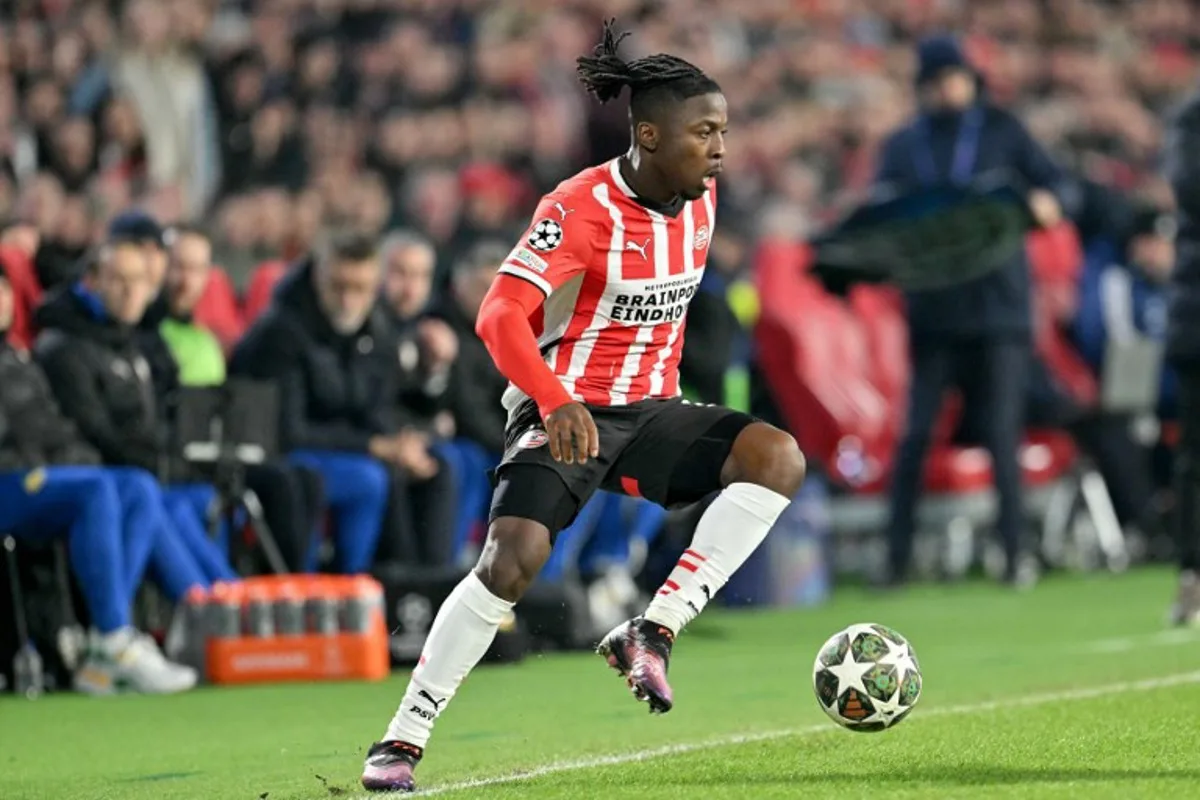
{"x": 1073, "y": 690}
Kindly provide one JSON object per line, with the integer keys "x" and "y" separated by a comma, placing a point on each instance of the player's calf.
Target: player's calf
{"x": 461, "y": 634}
{"x": 762, "y": 473}
{"x": 513, "y": 555}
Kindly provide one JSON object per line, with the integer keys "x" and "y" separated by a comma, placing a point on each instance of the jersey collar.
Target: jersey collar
{"x": 671, "y": 209}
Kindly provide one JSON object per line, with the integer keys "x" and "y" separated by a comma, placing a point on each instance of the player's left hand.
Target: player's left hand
{"x": 438, "y": 341}
{"x": 573, "y": 434}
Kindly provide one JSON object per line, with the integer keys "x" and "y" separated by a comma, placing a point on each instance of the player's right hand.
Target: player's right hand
{"x": 572, "y": 433}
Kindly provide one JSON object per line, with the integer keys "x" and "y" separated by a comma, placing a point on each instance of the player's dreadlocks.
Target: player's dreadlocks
{"x": 604, "y": 73}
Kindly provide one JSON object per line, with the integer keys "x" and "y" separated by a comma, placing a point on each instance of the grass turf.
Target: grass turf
{"x": 1057, "y": 661}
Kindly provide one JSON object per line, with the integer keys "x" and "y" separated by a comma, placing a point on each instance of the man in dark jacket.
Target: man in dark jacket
{"x": 332, "y": 351}
{"x": 977, "y": 333}
{"x": 89, "y": 351}
{"x": 183, "y": 354}
{"x": 427, "y": 345}
{"x": 475, "y": 390}
{"x": 476, "y": 386}
{"x": 1182, "y": 163}
{"x": 51, "y": 484}
{"x": 423, "y": 500}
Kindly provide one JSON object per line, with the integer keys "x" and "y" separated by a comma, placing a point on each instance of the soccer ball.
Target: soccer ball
{"x": 867, "y": 678}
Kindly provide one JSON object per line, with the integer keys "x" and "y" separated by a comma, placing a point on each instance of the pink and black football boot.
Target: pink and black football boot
{"x": 389, "y": 767}
{"x": 640, "y": 652}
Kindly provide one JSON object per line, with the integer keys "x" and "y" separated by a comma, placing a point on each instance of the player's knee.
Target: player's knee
{"x": 515, "y": 551}
{"x": 766, "y": 456}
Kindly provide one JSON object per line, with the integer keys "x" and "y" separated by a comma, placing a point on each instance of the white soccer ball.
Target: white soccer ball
{"x": 867, "y": 678}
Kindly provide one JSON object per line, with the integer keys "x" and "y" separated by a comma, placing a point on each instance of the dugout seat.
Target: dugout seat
{"x": 839, "y": 372}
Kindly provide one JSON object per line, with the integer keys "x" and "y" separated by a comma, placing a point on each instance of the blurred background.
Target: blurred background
{"x": 432, "y": 127}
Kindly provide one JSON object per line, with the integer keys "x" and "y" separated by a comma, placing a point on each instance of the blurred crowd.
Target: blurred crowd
{"x": 170, "y": 171}
{"x": 271, "y": 118}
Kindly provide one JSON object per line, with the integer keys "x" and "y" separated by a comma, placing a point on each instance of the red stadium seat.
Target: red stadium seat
{"x": 1055, "y": 260}
{"x": 839, "y": 371}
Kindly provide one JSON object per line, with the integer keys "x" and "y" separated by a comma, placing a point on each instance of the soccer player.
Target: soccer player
{"x": 586, "y": 320}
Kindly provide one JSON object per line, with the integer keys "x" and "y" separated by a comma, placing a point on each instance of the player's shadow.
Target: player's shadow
{"x": 957, "y": 775}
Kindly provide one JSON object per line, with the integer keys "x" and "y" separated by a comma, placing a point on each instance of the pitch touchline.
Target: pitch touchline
{"x": 1169, "y": 638}
{"x": 764, "y": 736}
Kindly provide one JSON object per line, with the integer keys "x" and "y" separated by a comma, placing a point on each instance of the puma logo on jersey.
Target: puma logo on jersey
{"x": 563, "y": 210}
{"x": 640, "y": 248}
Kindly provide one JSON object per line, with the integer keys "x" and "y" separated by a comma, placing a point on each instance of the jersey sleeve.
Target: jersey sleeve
{"x": 558, "y": 245}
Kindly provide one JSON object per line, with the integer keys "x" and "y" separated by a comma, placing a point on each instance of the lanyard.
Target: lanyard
{"x": 966, "y": 149}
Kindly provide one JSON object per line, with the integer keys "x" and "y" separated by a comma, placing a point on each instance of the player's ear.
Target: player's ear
{"x": 647, "y": 136}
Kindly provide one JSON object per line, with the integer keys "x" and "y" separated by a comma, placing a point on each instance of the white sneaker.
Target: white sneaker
{"x": 130, "y": 661}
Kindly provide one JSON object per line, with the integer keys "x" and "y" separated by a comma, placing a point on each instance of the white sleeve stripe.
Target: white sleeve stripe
{"x": 518, "y": 271}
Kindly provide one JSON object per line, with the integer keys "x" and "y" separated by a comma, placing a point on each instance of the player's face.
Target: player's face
{"x": 693, "y": 147}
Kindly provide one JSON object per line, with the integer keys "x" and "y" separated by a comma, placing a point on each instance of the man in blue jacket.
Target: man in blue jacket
{"x": 975, "y": 334}
{"x": 1123, "y": 292}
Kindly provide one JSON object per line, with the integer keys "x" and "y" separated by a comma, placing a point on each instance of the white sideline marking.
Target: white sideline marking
{"x": 1025, "y": 701}
{"x": 1169, "y": 638}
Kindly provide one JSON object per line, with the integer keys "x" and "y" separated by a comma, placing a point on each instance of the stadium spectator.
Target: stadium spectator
{"x": 1124, "y": 294}
{"x": 89, "y": 350}
{"x": 18, "y": 246}
{"x": 448, "y": 118}
{"x": 331, "y": 349}
{"x": 423, "y": 501}
{"x": 427, "y": 345}
{"x": 52, "y": 484}
{"x": 184, "y": 354}
{"x": 977, "y": 333}
{"x": 476, "y": 386}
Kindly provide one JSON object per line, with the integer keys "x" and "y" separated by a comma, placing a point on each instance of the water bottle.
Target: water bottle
{"x": 28, "y": 677}
{"x": 362, "y": 599}
{"x": 224, "y": 617}
{"x": 260, "y": 613}
{"x": 321, "y": 608}
{"x": 289, "y": 610}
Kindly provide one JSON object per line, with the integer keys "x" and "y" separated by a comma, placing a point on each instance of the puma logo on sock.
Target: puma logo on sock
{"x": 437, "y": 704}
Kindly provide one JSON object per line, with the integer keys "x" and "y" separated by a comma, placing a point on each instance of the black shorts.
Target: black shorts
{"x": 668, "y": 451}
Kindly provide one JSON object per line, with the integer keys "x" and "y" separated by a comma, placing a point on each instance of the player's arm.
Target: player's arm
{"x": 547, "y": 257}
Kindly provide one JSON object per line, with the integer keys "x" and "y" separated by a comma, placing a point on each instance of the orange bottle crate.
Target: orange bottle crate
{"x": 296, "y": 628}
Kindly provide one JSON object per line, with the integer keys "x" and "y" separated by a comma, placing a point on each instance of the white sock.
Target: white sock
{"x": 461, "y": 634}
{"x": 728, "y": 532}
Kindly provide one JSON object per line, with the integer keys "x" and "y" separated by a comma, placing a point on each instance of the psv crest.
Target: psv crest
{"x": 532, "y": 439}
{"x": 700, "y": 240}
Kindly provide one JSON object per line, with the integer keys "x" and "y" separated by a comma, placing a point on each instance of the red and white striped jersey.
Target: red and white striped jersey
{"x": 618, "y": 278}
